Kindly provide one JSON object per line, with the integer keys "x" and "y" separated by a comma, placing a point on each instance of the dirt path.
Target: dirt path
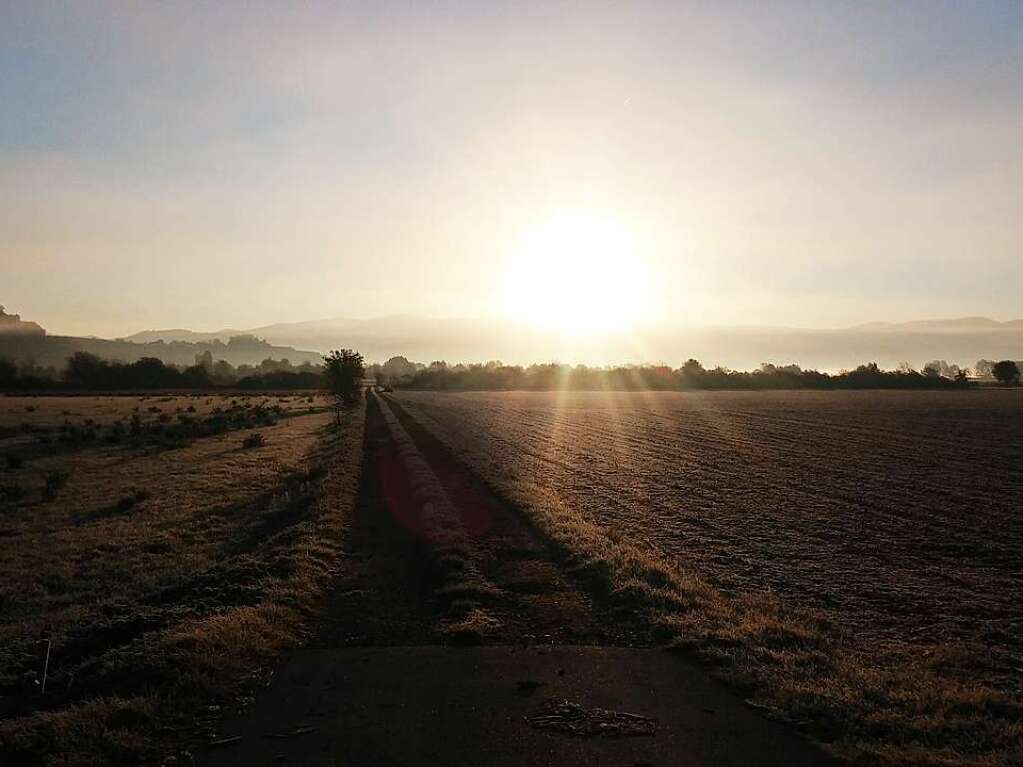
{"x": 389, "y": 680}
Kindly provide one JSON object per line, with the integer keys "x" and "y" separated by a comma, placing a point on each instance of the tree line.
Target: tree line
{"x": 90, "y": 372}
{"x": 691, "y": 375}
{"x": 85, "y": 371}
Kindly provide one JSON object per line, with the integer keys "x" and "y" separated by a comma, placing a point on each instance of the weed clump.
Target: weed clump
{"x": 133, "y": 499}
{"x": 11, "y": 493}
{"x": 254, "y": 440}
{"x": 53, "y": 482}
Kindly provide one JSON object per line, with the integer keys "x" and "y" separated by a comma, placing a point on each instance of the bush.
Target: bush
{"x": 135, "y": 497}
{"x": 254, "y": 440}
{"x": 53, "y": 482}
{"x": 11, "y": 493}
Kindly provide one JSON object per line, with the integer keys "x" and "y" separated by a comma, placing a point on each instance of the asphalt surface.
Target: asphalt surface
{"x": 471, "y": 706}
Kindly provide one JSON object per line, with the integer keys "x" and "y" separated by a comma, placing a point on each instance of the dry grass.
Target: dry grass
{"x": 459, "y": 582}
{"x": 164, "y": 579}
{"x": 33, "y": 427}
{"x": 868, "y": 689}
{"x": 16, "y": 410}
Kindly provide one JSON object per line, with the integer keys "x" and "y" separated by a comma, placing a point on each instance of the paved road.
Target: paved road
{"x": 458, "y": 707}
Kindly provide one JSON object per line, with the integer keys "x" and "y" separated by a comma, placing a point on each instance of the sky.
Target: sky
{"x": 208, "y": 165}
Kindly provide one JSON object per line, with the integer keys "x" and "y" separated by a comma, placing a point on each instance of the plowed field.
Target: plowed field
{"x": 893, "y": 519}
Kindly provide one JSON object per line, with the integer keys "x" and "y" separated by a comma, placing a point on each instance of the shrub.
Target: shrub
{"x": 12, "y": 493}
{"x": 117, "y": 432}
{"x": 53, "y": 482}
{"x": 254, "y": 440}
{"x": 135, "y": 497}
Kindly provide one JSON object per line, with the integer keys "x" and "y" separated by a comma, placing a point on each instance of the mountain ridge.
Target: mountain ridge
{"x": 963, "y": 340}
{"x": 333, "y": 325}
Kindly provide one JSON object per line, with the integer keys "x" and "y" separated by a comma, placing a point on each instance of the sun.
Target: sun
{"x": 578, "y": 274}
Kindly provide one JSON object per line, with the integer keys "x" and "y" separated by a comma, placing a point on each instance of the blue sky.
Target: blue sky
{"x": 167, "y": 164}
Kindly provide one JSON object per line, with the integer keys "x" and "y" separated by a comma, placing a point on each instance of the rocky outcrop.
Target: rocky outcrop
{"x": 12, "y": 324}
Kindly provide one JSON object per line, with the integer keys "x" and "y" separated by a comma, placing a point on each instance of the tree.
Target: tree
{"x": 692, "y": 367}
{"x": 342, "y": 373}
{"x": 8, "y": 370}
{"x": 223, "y": 372}
{"x": 148, "y": 373}
{"x": 205, "y": 360}
{"x": 398, "y": 368}
{"x": 983, "y": 368}
{"x": 940, "y": 369}
{"x": 692, "y": 372}
{"x": 1006, "y": 371}
{"x": 196, "y": 376}
{"x": 86, "y": 371}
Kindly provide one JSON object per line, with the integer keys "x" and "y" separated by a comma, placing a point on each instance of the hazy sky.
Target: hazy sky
{"x": 235, "y": 164}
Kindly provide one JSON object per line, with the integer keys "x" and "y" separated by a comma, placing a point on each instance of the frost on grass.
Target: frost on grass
{"x": 850, "y": 560}
{"x": 164, "y": 579}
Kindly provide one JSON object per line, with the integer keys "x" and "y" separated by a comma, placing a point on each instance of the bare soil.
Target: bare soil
{"x": 854, "y": 558}
{"x": 895, "y": 514}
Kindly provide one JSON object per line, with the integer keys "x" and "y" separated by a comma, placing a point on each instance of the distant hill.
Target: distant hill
{"x": 22, "y": 341}
{"x": 53, "y": 351}
{"x": 321, "y": 335}
{"x": 180, "y": 334}
{"x": 960, "y": 324}
{"x": 961, "y": 340}
{"x": 13, "y": 325}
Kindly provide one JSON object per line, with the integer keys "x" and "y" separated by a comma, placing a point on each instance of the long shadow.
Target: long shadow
{"x": 384, "y": 593}
{"x": 502, "y": 532}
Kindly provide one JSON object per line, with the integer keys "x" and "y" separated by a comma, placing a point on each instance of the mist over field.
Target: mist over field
{"x": 962, "y": 341}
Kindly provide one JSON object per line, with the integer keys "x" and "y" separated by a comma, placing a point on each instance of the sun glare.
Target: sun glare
{"x": 577, "y": 274}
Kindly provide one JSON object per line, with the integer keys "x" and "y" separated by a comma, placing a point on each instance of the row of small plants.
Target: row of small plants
{"x": 164, "y": 431}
